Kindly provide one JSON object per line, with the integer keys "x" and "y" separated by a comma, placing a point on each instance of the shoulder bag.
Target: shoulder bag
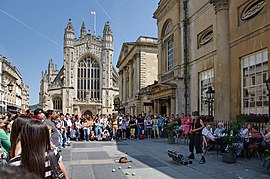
{"x": 55, "y": 168}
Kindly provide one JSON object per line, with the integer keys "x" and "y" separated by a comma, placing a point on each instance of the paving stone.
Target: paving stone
{"x": 149, "y": 161}
{"x": 78, "y": 156}
{"x": 66, "y": 154}
{"x": 86, "y": 145}
{"x": 105, "y": 171}
{"x": 80, "y": 171}
{"x": 97, "y": 155}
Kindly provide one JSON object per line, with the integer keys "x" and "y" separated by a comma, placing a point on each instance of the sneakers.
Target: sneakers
{"x": 202, "y": 161}
{"x": 191, "y": 156}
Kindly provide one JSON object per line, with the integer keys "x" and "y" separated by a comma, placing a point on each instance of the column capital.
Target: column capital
{"x": 220, "y": 4}
{"x": 130, "y": 62}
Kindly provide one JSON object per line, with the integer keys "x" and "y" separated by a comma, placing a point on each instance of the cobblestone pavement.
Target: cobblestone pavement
{"x": 97, "y": 160}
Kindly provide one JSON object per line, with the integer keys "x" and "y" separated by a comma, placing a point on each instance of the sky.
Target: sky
{"x": 32, "y": 31}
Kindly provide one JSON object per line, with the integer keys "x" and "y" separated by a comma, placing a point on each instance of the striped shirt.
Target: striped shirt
{"x": 16, "y": 161}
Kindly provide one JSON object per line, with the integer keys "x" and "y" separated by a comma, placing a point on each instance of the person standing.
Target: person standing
{"x": 195, "y": 140}
{"x": 160, "y": 125}
{"x": 52, "y": 116}
{"x": 132, "y": 124}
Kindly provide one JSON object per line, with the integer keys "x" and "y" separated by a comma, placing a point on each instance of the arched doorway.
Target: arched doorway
{"x": 88, "y": 112}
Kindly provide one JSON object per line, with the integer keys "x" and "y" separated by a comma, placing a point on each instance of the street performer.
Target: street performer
{"x": 195, "y": 137}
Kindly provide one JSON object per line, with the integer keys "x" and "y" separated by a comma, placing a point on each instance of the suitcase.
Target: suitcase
{"x": 141, "y": 137}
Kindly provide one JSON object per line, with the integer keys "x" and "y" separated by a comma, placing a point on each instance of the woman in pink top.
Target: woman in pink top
{"x": 187, "y": 123}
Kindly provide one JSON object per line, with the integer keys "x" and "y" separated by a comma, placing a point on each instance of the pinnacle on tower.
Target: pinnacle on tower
{"x": 69, "y": 27}
{"x": 107, "y": 28}
{"x": 83, "y": 30}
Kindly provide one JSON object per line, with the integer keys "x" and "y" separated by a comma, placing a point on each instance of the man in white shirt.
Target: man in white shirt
{"x": 207, "y": 132}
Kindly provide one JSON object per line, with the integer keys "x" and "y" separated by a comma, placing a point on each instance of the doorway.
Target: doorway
{"x": 163, "y": 108}
{"x": 88, "y": 112}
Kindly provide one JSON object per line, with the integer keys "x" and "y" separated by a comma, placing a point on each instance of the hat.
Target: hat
{"x": 195, "y": 113}
{"x": 38, "y": 110}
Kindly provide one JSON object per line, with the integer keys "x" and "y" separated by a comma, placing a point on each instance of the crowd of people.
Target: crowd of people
{"x": 35, "y": 137}
{"x": 27, "y": 141}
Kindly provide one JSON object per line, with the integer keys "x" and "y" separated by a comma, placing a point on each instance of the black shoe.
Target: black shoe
{"x": 191, "y": 156}
{"x": 202, "y": 161}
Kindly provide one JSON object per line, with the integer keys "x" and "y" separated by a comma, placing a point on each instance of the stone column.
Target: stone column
{"x": 129, "y": 77}
{"x": 135, "y": 77}
{"x": 173, "y": 105}
{"x": 222, "y": 62}
{"x": 121, "y": 85}
{"x": 124, "y": 84}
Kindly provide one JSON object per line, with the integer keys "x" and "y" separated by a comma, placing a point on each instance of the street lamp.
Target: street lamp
{"x": 116, "y": 104}
{"x": 10, "y": 86}
{"x": 268, "y": 88}
{"x": 148, "y": 93}
{"x": 210, "y": 100}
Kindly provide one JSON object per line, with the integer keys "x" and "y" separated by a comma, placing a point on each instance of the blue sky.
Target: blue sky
{"x": 32, "y": 31}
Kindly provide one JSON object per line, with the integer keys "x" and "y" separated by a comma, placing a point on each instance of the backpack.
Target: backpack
{"x": 124, "y": 160}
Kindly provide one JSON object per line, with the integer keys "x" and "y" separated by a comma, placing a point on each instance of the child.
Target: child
{"x": 124, "y": 127}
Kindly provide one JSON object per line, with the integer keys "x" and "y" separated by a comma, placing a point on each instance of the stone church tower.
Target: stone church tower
{"x": 87, "y": 83}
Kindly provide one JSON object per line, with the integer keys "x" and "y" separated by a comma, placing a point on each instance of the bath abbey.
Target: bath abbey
{"x": 87, "y": 83}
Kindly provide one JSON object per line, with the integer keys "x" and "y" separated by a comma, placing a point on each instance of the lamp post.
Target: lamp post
{"x": 10, "y": 86}
{"x": 116, "y": 105}
{"x": 148, "y": 93}
{"x": 268, "y": 89}
{"x": 210, "y": 100}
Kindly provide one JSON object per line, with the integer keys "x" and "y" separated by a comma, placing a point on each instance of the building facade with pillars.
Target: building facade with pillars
{"x": 228, "y": 51}
{"x": 2, "y": 102}
{"x": 13, "y": 98}
{"x": 87, "y": 82}
{"x": 137, "y": 65}
{"x": 168, "y": 93}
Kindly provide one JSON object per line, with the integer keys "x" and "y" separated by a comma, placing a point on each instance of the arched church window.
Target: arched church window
{"x": 57, "y": 104}
{"x": 167, "y": 37}
{"x": 88, "y": 85}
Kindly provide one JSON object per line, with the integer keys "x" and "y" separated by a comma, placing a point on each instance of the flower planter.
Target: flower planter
{"x": 171, "y": 140}
{"x": 229, "y": 158}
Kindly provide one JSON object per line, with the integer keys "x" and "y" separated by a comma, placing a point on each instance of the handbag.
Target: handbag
{"x": 55, "y": 168}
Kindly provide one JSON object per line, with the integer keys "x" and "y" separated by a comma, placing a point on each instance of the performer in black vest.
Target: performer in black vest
{"x": 195, "y": 138}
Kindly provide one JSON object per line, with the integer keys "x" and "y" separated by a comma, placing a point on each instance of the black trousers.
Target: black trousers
{"x": 195, "y": 140}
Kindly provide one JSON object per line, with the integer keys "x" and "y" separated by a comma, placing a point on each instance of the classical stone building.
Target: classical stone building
{"x": 228, "y": 50}
{"x": 87, "y": 82}
{"x": 15, "y": 94}
{"x": 2, "y": 102}
{"x": 137, "y": 65}
{"x": 25, "y": 96}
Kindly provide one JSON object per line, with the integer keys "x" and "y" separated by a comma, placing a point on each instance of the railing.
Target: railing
{"x": 258, "y": 125}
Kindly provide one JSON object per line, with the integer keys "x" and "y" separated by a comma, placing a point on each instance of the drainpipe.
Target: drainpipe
{"x": 185, "y": 55}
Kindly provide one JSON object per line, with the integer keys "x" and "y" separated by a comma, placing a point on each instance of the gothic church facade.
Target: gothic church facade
{"x": 87, "y": 83}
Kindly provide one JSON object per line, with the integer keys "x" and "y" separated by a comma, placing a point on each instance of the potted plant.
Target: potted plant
{"x": 231, "y": 148}
{"x": 170, "y": 129}
{"x": 231, "y": 140}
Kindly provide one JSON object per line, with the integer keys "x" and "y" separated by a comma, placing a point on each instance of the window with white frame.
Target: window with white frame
{"x": 253, "y": 89}
{"x": 88, "y": 83}
{"x": 170, "y": 53}
{"x": 206, "y": 79}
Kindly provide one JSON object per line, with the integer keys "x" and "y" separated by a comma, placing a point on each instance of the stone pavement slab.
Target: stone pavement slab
{"x": 150, "y": 160}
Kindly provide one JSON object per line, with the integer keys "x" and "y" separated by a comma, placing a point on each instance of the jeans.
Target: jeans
{"x": 98, "y": 131}
{"x": 77, "y": 134}
{"x": 64, "y": 135}
{"x": 140, "y": 128}
{"x": 86, "y": 134}
{"x": 60, "y": 142}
